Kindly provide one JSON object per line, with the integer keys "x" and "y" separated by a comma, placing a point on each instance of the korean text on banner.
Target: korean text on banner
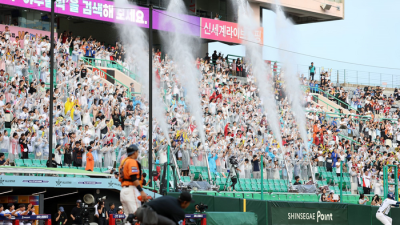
{"x": 226, "y": 31}
{"x": 20, "y": 32}
{"x": 106, "y": 11}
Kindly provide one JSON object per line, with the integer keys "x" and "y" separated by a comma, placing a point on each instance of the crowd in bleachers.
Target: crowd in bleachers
{"x": 94, "y": 120}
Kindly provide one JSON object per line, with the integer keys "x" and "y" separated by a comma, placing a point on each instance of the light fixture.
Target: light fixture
{"x": 326, "y": 6}
{"x": 41, "y": 192}
{"x": 62, "y": 195}
{"x": 6, "y": 191}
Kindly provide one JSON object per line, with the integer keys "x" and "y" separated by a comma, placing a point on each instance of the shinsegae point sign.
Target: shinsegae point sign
{"x": 301, "y": 214}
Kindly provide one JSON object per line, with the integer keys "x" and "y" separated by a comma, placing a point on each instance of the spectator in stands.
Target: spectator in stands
{"x": 323, "y": 196}
{"x": 67, "y": 155}
{"x": 3, "y": 160}
{"x": 363, "y": 199}
{"x": 338, "y": 166}
{"x": 77, "y": 154}
{"x": 256, "y": 167}
{"x": 144, "y": 182}
{"x": 312, "y": 71}
{"x": 366, "y": 178}
{"x": 297, "y": 182}
{"x": 53, "y": 162}
{"x": 329, "y": 162}
{"x": 376, "y": 200}
{"x": 353, "y": 180}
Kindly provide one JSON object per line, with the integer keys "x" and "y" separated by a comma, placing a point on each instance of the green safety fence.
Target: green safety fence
{"x": 111, "y": 64}
{"x": 90, "y": 62}
{"x": 296, "y": 213}
{"x": 231, "y": 218}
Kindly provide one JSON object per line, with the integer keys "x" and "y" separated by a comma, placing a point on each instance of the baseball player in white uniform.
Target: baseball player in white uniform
{"x": 384, "y": 210}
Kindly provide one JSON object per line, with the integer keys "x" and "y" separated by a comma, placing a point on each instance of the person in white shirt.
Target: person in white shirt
{"x": 3, "y": 213}
{"x": 366, "y": 178}
{"x": 337, "y": 165}
{"x": 10, "y": 210}
{"x": 384, "y": 210}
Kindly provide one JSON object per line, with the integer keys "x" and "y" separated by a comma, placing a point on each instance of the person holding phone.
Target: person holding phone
{"x": 103, "y": 214}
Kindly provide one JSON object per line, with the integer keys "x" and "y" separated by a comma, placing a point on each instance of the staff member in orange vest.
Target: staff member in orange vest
{"x": 89, "y": 159}
{"x": 130, "y": 176}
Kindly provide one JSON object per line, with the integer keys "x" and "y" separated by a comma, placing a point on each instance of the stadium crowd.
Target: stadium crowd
{"x": 94, "y": 120}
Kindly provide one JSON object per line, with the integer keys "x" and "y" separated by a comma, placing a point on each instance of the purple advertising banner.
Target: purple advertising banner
{"x": 167, "y": 21}
{"x": 103, "y": 10}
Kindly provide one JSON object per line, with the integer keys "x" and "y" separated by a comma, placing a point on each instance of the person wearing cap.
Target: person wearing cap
{"x": 76, "y": 213}
{"x": 169, "y": 209}
{"x": 384, "y": 209}
{"x": 61, "y": 216}
{"x": 130, "y": 176}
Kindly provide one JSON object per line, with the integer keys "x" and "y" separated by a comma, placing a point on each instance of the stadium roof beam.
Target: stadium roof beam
{"x": 310, "y": 9}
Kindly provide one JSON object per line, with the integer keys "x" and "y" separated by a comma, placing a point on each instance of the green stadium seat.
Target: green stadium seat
{"x": 257, "y": 196}
{"x": 248, "y": 196}
{"x": 36, "y": 162}
{"x": 282, "y": 197}
{"x": 220, "y": 194}
{"x": 248, "y": 187}
{"x": 268, "y": 197}
{"x": 298, "y": 198}
{"x": 290, "y": 197}
{"x": 346, "y": 199}
{"x": 43, "y": 161}
{"x": 274, "y": 197}
{"x": 31, "y": 155}
{"x": 19, "y": 162}
{"x": 308, "y": 198}
{"x": 97, "y": 169}
{"x": 238, "y": 195}
{"x": 271, "y": 187}
{"x": 228, "y": 194}
{"x": 186, "y": 179}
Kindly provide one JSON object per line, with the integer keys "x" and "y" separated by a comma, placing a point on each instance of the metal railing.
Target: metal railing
{"x": 88, "y": 62}
{"x": 336, "y": 99}
{"x": 345, "y": 76}
{"x": 111, "y": 64}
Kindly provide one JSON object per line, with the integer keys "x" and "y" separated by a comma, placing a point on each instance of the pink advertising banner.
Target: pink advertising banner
{"x": 226, "y": 31}
{"x": 108, "y": 11}
{"x": 20, "y": 32}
